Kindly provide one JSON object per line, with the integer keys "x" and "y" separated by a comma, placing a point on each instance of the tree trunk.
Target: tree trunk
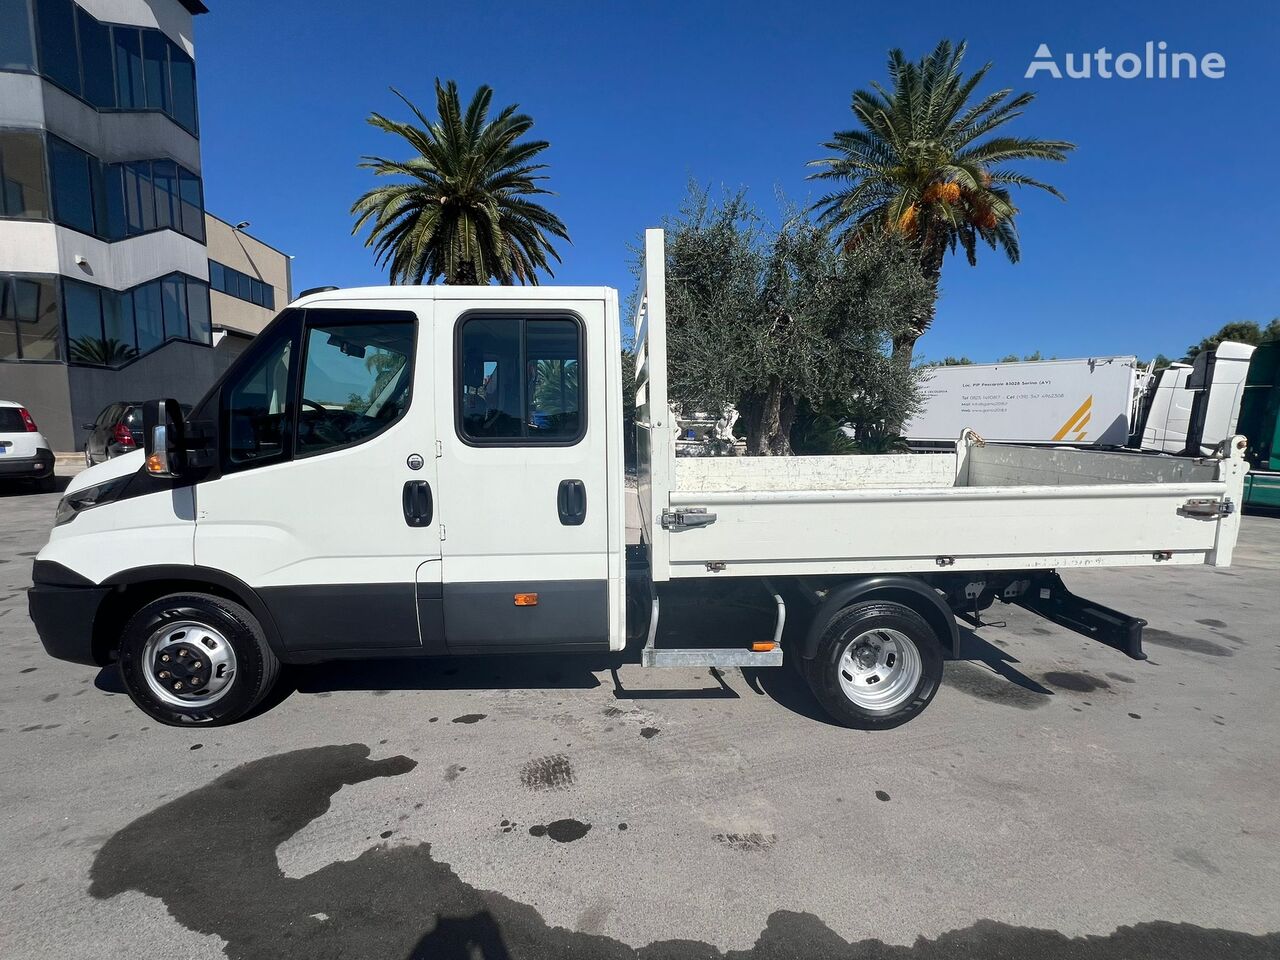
{"x": 780, "y": 445}
{"x": 761, "y": 440}
{"x": 904, "y": 344}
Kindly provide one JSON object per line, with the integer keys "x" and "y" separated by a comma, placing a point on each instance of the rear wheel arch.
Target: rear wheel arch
{"x": 908, "y": 591}
{"x": 137, "y": 587}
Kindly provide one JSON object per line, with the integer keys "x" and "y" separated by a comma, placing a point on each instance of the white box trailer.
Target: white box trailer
{"x": 433, "y": 471}
{"x": 1089, "y": 401}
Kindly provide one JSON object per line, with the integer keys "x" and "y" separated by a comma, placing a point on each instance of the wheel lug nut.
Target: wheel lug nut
{"x": 195, "y": 665}
{"x": 178, "y": 685}
{"x": 182, "y": 653}
{"x": 164, "y": 658}
{"x": 164, "y": 674}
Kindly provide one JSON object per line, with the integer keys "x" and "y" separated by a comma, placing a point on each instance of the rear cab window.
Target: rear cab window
{"x": 519, "y": 379}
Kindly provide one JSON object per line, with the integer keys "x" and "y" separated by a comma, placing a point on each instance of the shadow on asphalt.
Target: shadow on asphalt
{"x": 975, "y": 649}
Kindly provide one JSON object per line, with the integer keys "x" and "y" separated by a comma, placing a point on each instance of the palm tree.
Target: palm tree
{"x": 919, "y": 167}
{"x": 463, "y": 212}
{"x": 108, "y": 352}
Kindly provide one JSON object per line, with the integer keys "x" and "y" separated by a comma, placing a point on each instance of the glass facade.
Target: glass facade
{"x": 30, "y": 322}
{"x": 110, "y": 66}
{"x": 233, "y": 283}
{"x": 23, "y": 193}
{"x": 112, "y": 328}
{"x": 17, "y": 52}
{"x": 111, "y": 201}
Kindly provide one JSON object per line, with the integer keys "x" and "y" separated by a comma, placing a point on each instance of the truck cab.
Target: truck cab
{"x": 392, "y": 471}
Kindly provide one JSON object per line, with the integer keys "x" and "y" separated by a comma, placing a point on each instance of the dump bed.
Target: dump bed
{"x": 980, "y": 507}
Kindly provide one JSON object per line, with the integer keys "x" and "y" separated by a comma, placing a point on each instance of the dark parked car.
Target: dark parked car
{"x": 118, "y": 430}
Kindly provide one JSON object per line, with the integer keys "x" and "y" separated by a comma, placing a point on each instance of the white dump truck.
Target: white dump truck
{"x": 431, "y": 471}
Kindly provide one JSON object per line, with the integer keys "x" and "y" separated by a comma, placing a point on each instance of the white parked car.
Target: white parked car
{"x": 24, "y": 452}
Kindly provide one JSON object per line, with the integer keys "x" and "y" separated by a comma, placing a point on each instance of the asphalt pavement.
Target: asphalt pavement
{"x": 1056, "y": 800}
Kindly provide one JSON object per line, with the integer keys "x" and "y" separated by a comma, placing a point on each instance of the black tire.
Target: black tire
{"x": 256, "y": 667}
{"x": 823, "y": 671}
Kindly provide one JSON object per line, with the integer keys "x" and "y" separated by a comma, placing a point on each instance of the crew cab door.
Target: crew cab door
{"x": 524, "y": 502}
{"x": 322, "y": 499}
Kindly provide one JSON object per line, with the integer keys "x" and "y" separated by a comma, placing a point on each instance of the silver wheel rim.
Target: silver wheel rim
{"x": 879, "y": 670}
{"x": 188, "y": 664}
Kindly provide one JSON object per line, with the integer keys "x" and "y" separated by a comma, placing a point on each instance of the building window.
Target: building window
{"x": 164, "y": 178}
{"x": 155, "y": 69}
{"x": 183, "y": 74}
{"x": 130, "y": 93}
{"x": 112, "y": 328}
{"x": 233, "y": 283}
{"x": 82, "y": 305}
{"x": 16, "y": 49}
{"x": 72, "y": 186}
{"x": 199, "y": 320}
{"x": 149, "y": 315}
{"x": 30, "y": 324}
{"x": 191, "y": 193}
{"x": 114, "y": 201}
{"x": 109, "y": 66}
{"x": 22, "y": 183}
{"x": 95, "y": 61}
{"x": 117, "y": 324}
{"x": 59, "y": 56}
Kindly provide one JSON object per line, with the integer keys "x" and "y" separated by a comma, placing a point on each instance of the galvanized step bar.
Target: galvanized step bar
{"x": 763, "y": 654}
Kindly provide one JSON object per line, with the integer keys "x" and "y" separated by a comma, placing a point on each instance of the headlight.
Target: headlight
{"x": 73, "y": 503}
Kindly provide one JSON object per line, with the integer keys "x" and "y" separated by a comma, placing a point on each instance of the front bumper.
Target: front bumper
{"x": 64, "y": 611}
{"x": 35, "y": 468}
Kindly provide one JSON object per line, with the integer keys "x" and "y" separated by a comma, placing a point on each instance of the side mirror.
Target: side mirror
{"x": 164, "y": 434}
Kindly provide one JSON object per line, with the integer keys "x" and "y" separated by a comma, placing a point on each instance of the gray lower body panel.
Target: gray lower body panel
{"x": 569, "y": 614}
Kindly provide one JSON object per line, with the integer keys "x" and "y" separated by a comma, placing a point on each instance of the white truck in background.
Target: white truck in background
{"x": 436, "y": 471}
{"x": 1191, "y": 408}
{"x": 1089, "y": 402}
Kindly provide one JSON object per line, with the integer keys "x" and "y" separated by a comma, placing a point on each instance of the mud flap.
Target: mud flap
{"x": 1049, "y": 597}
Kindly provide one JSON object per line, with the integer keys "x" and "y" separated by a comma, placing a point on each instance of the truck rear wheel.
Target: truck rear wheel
{"x": 878, "y": 664}
{"x": 192, "y": 659}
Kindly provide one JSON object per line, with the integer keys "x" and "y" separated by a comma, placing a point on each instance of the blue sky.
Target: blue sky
{"x": 1170, "y": 228}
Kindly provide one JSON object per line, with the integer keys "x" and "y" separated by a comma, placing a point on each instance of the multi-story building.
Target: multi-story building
{"x": 249, "y": 283}
{"x": 104, "y": 241}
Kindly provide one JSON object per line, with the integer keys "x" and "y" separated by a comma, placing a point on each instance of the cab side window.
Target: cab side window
{"x": 355, "y": 382}
{"x": 257, "y": 408}
{"x": 519, "y": 380}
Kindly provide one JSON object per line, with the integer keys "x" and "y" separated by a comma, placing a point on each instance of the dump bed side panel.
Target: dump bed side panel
{"x": 1030, "y": 509}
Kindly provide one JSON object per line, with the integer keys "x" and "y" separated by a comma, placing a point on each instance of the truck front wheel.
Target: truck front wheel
{"x": 194, "y": 659}
{"x": 878, "y": 664}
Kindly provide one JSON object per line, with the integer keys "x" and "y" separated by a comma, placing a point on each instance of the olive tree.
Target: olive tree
{"x": 774, "y": 319}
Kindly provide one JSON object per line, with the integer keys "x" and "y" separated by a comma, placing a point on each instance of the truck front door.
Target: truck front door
{"x": 524, "y": 503}
{"x": 321, "y": 499}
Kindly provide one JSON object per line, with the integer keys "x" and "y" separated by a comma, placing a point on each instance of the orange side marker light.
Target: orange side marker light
{"x": 526, "y": 599}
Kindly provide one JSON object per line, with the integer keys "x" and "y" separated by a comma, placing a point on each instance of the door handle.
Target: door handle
{"x": 416, "y": 500}
{"x": 571, "y": 501}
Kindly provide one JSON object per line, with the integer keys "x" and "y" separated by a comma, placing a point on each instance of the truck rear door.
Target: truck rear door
{"x": 523, "y": 501}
